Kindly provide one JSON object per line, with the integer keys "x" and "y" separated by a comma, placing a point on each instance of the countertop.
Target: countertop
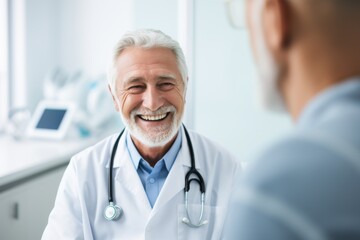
{"x": 25, "y": 158}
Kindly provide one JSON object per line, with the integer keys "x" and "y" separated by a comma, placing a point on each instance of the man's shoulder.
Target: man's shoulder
{"x": 305, "y": 168}
{"x": 309, "y": 175}
{"x": 303, "y": 145}
{"x": 305, "y": 155}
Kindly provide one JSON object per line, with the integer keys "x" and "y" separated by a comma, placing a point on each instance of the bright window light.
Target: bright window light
{"x": 186, "y": 41}
{"x": 4, "y": 64}
{"x": 18, "y": 54}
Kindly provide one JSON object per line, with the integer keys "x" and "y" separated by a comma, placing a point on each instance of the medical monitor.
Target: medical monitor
{"x": 51, "y": 120}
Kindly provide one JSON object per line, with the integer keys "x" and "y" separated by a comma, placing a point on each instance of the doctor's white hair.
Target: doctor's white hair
{"x": 147, "y": 39}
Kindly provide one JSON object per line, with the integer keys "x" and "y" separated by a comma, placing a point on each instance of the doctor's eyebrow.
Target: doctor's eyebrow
{"x": 133, "y": 80}
{"x": 167, "y": 77}
{"x": 139, "y": 79}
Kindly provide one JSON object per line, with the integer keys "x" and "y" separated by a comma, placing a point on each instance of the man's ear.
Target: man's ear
{"x": 113, "y": 97}
{"x": 276, "y": 22}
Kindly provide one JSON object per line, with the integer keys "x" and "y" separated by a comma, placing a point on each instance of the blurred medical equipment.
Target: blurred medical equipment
{"x": 19, "y": 119}
{"x": 51, "y": 119}
{"x": 94, "y": 103}
{"x": 113, "y": 211}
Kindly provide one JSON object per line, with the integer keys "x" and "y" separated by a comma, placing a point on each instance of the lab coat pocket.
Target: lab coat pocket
{"x": 214, "y": 217}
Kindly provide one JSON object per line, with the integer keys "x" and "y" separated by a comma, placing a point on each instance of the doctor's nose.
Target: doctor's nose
{"x": 152, "y": 99}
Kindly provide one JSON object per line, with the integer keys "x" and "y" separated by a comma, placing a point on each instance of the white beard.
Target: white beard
{"x": 268, "y": 70}
{"x": 157, "y": 137}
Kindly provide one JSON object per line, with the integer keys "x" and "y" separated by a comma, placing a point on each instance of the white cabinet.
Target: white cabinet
{"x": 11, "y": 221}
{"x": 30, "y": 173}
{"x": 25, "y": 207}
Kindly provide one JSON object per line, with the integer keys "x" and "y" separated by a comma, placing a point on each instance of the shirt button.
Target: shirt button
{"x": 151, "y": 180}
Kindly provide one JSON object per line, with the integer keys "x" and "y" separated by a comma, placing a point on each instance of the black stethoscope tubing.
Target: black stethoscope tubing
{"x": 192, "y": 170}
{"x": 188, "y": 180}
{"x": 113, "y": 152}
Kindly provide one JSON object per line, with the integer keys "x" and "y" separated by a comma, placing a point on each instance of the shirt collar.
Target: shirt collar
{"x": 317, "y": 108}
{"x": 169, "y": 157}
{"x": 133, "y": 152}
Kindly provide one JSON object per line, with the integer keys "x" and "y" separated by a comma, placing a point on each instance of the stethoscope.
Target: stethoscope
{"x": 112, "y": 211}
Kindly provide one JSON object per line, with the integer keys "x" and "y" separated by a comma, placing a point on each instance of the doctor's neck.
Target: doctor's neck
{"x": 152, "y": 154}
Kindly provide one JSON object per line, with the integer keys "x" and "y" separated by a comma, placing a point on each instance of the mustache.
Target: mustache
{"x": 146, "y": 111}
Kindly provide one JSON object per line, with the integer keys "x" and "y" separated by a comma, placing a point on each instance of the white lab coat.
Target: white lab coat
{"x": 83, "y": 195}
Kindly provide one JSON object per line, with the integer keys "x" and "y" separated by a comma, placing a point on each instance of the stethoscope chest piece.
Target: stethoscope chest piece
{"x": 112, "y": 212}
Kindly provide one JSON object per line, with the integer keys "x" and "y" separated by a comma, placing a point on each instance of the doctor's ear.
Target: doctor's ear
{"x": 113, "y": 98}
{"x": 276, "y": 20}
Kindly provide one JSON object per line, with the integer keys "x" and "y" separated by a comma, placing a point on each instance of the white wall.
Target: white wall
{"x": 89, "y": 30}
{"x": 72, "y": 35}
{"x": 42, "y": 44}
{"x": 156, "y": 14}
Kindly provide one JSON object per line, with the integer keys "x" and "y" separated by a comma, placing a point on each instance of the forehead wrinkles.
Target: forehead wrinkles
{"x": 146, "y": 63}
{"x": 146, "y": 74}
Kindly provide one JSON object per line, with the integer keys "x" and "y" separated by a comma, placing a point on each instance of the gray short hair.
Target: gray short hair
{"x": 147, "y": 38}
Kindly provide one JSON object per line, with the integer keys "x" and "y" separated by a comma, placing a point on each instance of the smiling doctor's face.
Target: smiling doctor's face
{"x": 149, "y": 93}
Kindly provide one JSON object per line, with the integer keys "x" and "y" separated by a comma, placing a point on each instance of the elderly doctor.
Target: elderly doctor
{"x": 141, "y": 194}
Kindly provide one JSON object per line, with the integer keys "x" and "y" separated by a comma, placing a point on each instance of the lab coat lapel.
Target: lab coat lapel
{"x": 127, "y": 176}
{"x": 175, "y": 180}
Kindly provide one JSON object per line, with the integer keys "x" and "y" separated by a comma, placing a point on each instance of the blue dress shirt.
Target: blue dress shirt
{"x": 153, "y": 178}
{"x": 306, "y": 186}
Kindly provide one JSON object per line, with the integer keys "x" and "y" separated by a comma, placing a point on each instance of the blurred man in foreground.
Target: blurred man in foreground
{"x": 307, "y": 185}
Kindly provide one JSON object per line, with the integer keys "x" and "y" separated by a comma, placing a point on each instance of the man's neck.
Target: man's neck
{"x": 153, "y": 154}
{"x": 310, "y": 74}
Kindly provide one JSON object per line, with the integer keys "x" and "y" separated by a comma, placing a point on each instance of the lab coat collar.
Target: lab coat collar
{"x": 121, "y": 151}
{"x": 133, "y": 152}
{"x": 183, "y": 155}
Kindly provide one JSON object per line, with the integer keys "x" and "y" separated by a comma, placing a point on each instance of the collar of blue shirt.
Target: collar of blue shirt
{"x": 333, "y": 96}
{"x": 168, "y": 158}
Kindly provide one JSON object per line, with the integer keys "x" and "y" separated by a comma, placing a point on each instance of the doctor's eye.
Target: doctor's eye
{"x": 166, "y": 86}
{"x": 136, "y": 88}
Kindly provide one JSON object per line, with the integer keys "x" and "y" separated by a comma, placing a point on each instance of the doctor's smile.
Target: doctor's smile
{"x": 153, "y": 117}
{"x": 160, "y": 116}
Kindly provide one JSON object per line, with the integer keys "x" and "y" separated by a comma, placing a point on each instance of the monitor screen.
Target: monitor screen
{"x": 51, "y": 119}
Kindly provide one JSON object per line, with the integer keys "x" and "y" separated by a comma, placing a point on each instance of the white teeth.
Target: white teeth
{"x": 153, "y": 117}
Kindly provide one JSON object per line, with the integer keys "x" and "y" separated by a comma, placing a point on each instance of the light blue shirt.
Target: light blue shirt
{"x": 153, "y": 178}
{"x": 306, "y": 186}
